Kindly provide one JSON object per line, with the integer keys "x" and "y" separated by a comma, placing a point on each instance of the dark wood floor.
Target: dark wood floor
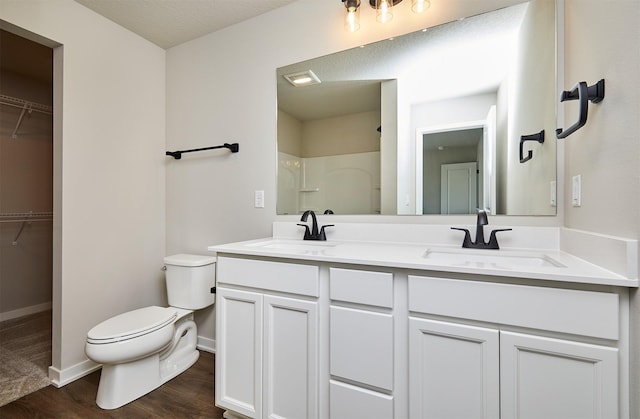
{"x": 189, "y": 395}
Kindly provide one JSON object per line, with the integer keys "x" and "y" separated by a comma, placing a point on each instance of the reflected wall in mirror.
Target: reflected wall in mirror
{"x": 426, "y": 123}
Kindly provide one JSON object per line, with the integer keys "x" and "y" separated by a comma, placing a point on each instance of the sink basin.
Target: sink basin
{"x": 491, "y": 259}
{"x": 303, "y": 246}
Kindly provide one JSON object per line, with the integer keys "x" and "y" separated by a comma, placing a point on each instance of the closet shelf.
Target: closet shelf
{"x": 24, "y": 218}
{"x": 28, "y": 216}
{"x": 26, "y": 106}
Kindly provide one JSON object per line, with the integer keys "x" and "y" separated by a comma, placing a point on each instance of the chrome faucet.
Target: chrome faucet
{"x": 479, "y": 242}
{"x": 314, "y": 233}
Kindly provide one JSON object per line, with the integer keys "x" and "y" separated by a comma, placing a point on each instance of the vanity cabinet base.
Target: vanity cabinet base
{"x": 267, "y": 355}
{"x": 321, "y": 341}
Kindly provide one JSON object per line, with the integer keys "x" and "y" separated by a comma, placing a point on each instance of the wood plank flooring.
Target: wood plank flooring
{"x": 189, "y": 395}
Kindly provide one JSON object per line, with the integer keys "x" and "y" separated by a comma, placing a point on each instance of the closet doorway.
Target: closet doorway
{"x": 26, "y": 212}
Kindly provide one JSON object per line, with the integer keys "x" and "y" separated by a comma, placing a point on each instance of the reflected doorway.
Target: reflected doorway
{"x": 458, "y": 188}
{"x": 455, "y": 167}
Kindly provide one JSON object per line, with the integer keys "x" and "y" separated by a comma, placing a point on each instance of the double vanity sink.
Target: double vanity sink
{"x": 376, "y": 321}
{"x": 478, "y": 258}
{"x": 536, "y": 263}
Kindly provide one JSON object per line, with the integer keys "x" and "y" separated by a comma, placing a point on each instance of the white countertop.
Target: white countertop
{"x": 543, "y": 264}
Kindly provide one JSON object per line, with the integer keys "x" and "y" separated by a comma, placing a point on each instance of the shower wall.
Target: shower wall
{"x": 345, "y": 183}
{"x": 26, "y": 178}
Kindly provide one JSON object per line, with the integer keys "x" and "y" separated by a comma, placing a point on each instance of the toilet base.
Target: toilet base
{"x": 123, "y": 383}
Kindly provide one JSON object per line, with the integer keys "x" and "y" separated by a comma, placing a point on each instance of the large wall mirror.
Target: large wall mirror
{"x": 426, "y": 123}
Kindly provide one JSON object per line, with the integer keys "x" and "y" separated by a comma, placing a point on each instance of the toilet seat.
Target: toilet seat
{"x": 132, "y": 324}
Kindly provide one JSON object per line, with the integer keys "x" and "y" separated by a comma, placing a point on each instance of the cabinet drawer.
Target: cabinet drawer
{"x": 348, "y": 401}
{"x": 276, "y": 276}
{"x": 363, "y": 287}
{"x": 361, "y": 346}
{"x": 586, "y": 313}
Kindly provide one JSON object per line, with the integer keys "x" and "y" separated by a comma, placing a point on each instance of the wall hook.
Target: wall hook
{"x": 584, "y": 94}
{"x": 539, "y": 137}
{"x": 235, "y": 147}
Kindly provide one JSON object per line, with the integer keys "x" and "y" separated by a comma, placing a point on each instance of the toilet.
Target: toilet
{"x": 142, "y": 349}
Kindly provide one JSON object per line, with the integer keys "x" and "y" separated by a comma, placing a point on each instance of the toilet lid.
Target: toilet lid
{"x": 189, "y": 260}
{"x": 132, "y": 324}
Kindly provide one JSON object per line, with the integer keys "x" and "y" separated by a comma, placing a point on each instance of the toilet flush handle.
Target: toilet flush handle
{"x": 164, "y": 268}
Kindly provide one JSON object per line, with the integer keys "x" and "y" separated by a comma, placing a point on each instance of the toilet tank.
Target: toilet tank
{"x": 189, "y": 280}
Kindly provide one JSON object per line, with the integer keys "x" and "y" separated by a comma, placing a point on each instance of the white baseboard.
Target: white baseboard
{"x": 206, "y": 344}
{"x": 24, "y": 311}
{"x": 61, "y": 378}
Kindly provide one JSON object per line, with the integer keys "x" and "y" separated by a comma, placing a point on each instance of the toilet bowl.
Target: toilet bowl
{"x": 142, "y": 349}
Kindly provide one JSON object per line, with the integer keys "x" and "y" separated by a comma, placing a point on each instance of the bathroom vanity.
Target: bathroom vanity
{"x": 347, "y": 329}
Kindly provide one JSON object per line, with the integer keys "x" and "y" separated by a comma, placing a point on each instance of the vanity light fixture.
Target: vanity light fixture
{"x": 352, "y": 18}
{"x": 303, "y": 78}
{"x": 383, "y": 11}
{"x": 384, "y": 8}
{"x": 419, "y": 6}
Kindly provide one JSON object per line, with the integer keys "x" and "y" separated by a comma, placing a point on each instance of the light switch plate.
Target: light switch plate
{"x": 258, "y": 199}
{"x": 576, "y": 195}
{"x": 552, "y": 193}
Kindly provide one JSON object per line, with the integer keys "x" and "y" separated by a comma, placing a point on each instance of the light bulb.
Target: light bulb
{"x": 302, "y": 80}
{"x": 352, "y": 19}
{"x": 383, "y": 13}
{"x": 419, "y": 6}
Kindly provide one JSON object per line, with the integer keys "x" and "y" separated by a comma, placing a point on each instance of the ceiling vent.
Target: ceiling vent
{"x": 303, "y": 78}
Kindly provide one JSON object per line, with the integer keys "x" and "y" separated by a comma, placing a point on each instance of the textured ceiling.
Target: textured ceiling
{"x": 168, "y": 23}
{"x": 461, "y": 58}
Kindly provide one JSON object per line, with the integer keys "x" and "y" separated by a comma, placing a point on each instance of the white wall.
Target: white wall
{"x": 109, "y": 196}
{"x": 602, "y": 41}
{"x": 289, "y": 134}
{"x": 344, "y": 134}
{"x": 532, "y": 100}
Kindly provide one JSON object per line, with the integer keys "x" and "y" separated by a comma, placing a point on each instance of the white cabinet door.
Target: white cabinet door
{"x": 551, "y": 378}
{"x": 453, "y": 370}
{"x": 239, "y": 351}
{"x": 290, "y": 358}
